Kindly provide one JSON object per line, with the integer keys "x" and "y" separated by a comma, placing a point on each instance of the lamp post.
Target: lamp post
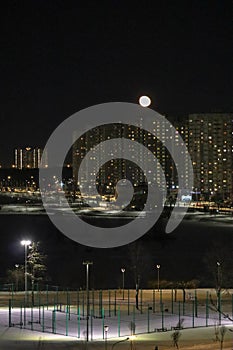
{"x": 218, "y": 276}
{"x": 87, "y": 263}
{"x": 25, "y": 243}
{"x": 17, "y": 277}
{"x": 123, "y": 282}
{"x": 218, "y": 284}
{"x": 218, "y": 273}
{"x": 158, "y": 267}
{"x": 106, "y": 328}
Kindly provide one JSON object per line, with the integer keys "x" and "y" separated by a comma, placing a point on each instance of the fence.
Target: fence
{"x": 65, "y": 312}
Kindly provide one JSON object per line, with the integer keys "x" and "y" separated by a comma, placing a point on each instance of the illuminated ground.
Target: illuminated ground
{"x": 198, "y": 338}
{"x": 17, "y": 337}
{"x": 191, "y": 339}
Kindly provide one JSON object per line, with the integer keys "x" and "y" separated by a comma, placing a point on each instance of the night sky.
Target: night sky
{"x": 58, "y": 57}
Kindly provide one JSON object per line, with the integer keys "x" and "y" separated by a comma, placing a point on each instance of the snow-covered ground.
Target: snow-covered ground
{"x": 71, "y": 333}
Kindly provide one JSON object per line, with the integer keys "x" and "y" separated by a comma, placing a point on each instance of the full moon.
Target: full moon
{"x": 144, "y": 101}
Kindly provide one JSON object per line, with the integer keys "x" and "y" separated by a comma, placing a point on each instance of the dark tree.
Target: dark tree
{"x": 177, "y": 334}
{"x": 136, "y": 261}
{"x": 16, "y": 276}
{"x": 36, "y": 265}
{"x": 218, "y": 262}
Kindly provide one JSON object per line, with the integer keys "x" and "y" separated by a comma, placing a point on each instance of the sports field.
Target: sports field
{"x": 63, "y": 325}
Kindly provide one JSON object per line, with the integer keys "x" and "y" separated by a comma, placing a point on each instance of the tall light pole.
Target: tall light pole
{"x": 25, "y": 243}
{"x": 158, "y": 267}
{"x": 219, "y": 287}
{"x": 218, "y": 275}
{"x": 17, "y": 277}
{"x": 123, "y": 282}
{"x": 87, "y": 263}
{"x": 106, "y": 328}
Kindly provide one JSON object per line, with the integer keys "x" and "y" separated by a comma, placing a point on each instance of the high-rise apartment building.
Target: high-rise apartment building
{"x": 28, "y": 158}
{"x": 210, "y": 144}
{"x": 105, "y": 176}
{"x": 207, "y": 136}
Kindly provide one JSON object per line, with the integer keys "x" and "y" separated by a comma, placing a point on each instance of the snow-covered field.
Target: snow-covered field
{"x": 20, "y": 335}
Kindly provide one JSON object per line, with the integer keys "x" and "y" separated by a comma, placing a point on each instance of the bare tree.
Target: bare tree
{"x": 215, "y": 306}
{"x": 175, "y": 338}
{"x": 16, "y": 276}
{"x": 136, "y": 258}
{"x": 218, "y": 262}
{"x": 177, "y": 334}
{"x": 220, "y": 333}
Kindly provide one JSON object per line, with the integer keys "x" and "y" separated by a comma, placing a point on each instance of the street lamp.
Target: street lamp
{"x": 17, "y": 277}
{"x": 87, "y": 263}
{"x": 25, "y": 243}
{"x": 158, "y": 267}
{"x": 123, "y": 282}
{"x": 218, "y": 275}
{"x": 106, "y": 328}
{"x": 219, "y": 287}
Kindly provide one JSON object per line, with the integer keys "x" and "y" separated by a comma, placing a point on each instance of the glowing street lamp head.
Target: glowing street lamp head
{"x": 25, "y": 242}
{"x": 144, "y": 101}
